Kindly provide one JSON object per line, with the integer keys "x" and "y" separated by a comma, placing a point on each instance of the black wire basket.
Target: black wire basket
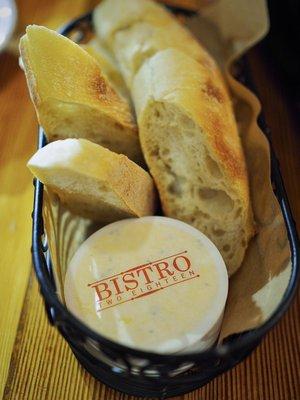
{"x": 137, "y": 372}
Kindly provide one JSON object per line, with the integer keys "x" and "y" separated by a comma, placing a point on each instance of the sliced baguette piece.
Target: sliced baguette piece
{"x": 134, "y": 30}
{"x": 191, "y": 144}
{"x": 108, "y": 65}
{"x": 94, "y": 182}
{"x": 72, "y": 97}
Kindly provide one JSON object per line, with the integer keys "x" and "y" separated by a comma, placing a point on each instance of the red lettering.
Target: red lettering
{"x": 160, "y": 269}
{"x": 114, "y": 281}
{"x": 143, "y": 280}
{"x": 130, "y": 281}
{"x": 145, "y": 273}
{"x": 104, "y": 290}
{"x": 187, "y": 263}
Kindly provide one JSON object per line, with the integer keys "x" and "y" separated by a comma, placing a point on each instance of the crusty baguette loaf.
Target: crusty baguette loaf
{"x": 72, "y": 97}
{"x": 94, "y": 182}
{"x": 191, "y": 144}
{"x": 108, "y": 65}
{"x": 134, "y": 30}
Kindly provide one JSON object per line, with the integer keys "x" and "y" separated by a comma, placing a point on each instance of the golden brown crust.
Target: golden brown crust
{"x": 234, "y": 161}
{"x": 212, "y": 91}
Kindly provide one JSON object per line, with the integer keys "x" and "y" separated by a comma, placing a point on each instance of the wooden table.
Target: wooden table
{"x": 36, "y": 363}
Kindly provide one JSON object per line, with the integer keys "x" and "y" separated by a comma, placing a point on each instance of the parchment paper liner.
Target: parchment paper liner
{"x": 227, "y": 28}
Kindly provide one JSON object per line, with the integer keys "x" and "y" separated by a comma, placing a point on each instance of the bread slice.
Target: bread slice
{"x": 94, "y": 182}
{"x": 191, "y": 144}
{"x": 71, "y": 95}
{"x": 108, "y": 65}
{"x": 134, "y": 30}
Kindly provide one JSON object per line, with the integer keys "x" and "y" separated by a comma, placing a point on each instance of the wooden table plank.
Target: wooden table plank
{"x": 16, "y": 114}
{"x": 42, "y": 365}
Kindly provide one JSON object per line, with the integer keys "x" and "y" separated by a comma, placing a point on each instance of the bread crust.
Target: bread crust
{"x": 60, "y": 74}
{"x": 173, "y": 77}
{"x": 108, "y": 65}
{"x": 135, "y": 30}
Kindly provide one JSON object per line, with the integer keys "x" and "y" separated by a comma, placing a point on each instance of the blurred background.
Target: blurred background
{"x": 282, "y": 44}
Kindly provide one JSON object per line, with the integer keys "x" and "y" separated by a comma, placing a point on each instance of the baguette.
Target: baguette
{"x": 94, "y": 182}
{"x": 72, "y": 97}
{"x": 191, "y": 144}
{"x": 134, "y": 30}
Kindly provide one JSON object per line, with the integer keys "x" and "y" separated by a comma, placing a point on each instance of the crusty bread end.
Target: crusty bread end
{"x": 94, "y": 182}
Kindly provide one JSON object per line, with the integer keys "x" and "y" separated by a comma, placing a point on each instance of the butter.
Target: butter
{"x": 151, "y": 283}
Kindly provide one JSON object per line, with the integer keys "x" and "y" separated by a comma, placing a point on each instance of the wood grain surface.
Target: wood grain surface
{"x": 35, "y": 362}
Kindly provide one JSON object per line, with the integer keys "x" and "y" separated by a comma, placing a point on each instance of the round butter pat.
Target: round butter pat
{"x": 151, "y": 283}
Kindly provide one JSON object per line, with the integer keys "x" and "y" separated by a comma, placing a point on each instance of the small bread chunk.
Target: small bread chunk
{"x": 191, "y": 144}
{"x": 71, "y": 95}
{"x": 94, "y": 182}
